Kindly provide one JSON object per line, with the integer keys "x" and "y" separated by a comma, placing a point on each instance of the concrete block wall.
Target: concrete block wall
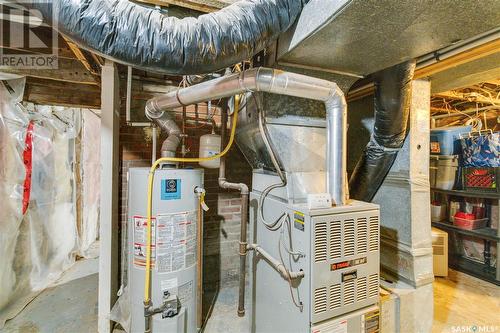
{"x": 221, "y": 222}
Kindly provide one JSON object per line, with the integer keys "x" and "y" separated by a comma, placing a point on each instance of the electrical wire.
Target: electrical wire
{"x": 276, "y": 224}
{"x": 289, "y": 250}
{"x": 298, "y": 304}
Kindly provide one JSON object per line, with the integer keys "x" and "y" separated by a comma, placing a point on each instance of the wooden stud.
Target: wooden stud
{"x": 109, "y": 217}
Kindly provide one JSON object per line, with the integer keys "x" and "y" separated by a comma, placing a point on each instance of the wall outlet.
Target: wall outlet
{"x": 319, "y": 200}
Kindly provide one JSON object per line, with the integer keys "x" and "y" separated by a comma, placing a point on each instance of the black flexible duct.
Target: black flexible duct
{"x": 392, "y": 108}
{"x": 145, "y": 38}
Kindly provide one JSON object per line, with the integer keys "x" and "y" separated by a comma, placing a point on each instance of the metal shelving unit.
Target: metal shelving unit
{"x": 490, "y": 236}
{"x": 469, "y": 194}
{"x": 484, "y": 233}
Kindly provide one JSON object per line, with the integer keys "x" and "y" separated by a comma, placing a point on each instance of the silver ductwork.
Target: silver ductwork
{"x": 284, "y": 83}
{"x": 145, "y": 38}
{"x": 167, "y": 124}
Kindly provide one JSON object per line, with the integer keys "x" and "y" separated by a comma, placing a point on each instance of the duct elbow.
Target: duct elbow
{"x": 336, "y": 99}
{"x": 166, "y": 124}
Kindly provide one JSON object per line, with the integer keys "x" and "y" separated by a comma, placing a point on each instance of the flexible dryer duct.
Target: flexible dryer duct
{"x": 145, "y": 38}
{"x": 392, "y": 108}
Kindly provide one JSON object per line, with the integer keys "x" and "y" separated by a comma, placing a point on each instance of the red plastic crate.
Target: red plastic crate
{"x": 469, "y": 224}
{"x": 481, "y": 179}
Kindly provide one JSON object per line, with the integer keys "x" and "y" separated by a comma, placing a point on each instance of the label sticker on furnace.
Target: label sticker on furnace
{"x": 175, "y": 241}
{"x": 140, "y": 241}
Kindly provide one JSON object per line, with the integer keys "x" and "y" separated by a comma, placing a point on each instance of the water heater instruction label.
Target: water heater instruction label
{"x": 140, "y": 240}
{"x": 175, "y": 241}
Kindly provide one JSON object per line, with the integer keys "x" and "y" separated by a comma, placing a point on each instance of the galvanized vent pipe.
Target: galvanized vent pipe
{"x": 278, "y": 82}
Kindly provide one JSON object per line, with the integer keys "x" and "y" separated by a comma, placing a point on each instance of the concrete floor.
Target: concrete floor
{"x": 461, "y": 302}
{"x": 68, "y": 307}
{"x": 222, "y": 315}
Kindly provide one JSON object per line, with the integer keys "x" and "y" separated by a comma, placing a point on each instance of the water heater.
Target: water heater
{"x": 174, "y": 247}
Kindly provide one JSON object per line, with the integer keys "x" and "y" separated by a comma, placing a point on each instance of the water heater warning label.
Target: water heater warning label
{"x": 175, "y": 241}
{"x": 140, "y": 240}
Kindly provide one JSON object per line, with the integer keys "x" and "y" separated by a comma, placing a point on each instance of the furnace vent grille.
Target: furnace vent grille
{"x": 374, "y": 233}
{"x": 361, "y": 289}
{"x": 335, "y": 239}
{"x": 335, "y": 301}
{"x": 373, "y": 285}
{"x": 320, "y": 242}
{"x": 349, "y": 292}
{"x": 320, "y": 300}
{"x": 349, "y": 238}
{"x": 362, "y": 242}
{"x": 345, "y": 267}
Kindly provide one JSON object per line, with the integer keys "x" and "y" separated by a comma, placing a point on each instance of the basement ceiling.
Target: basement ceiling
{"x": 364, "y": 36}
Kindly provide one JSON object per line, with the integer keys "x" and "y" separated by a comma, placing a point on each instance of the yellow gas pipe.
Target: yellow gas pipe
{"x": 147, "y": 281}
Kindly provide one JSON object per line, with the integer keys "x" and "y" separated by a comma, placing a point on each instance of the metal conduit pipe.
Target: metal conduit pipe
{"x": 285, "y": 273}
{"x": 243, "y": 188}
{"x": 285, "y": 83}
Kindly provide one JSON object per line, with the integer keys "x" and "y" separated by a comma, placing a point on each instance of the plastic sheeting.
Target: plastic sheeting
{"x": 392, "y": 107}
{"x": 90, "y": 181}
{"x": 145, "y": 38}
{"x": 37, "y": 246}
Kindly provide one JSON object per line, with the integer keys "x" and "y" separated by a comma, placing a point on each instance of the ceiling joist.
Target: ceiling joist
{"x": 469, "y": 97}
{"x": 204, "y": 6}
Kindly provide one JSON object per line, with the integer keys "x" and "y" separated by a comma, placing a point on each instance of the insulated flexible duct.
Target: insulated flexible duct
{"x": 145, "y": 38}
{"x": 392, "y": 108}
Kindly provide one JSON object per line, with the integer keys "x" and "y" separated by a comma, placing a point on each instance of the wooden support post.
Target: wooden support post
{"x": 108, "y": 231}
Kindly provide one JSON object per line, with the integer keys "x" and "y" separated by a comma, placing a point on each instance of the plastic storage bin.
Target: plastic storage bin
{"x": 469, "y": 224}
{"x": 446, "y": 140}
{"x": 443, "y": 171}
{"x": 438, "y": 213}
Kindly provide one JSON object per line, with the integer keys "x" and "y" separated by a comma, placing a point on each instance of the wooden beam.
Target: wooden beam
{"x": 360, "y": 92}
{"x": 458, "y": 59}
{"x": 69, "y": 70}
{"x": 51, "y": 92}
{"x": 109, "y": 217}
{"x": 204, "y": 6}
{"x": 81, "y": 56}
